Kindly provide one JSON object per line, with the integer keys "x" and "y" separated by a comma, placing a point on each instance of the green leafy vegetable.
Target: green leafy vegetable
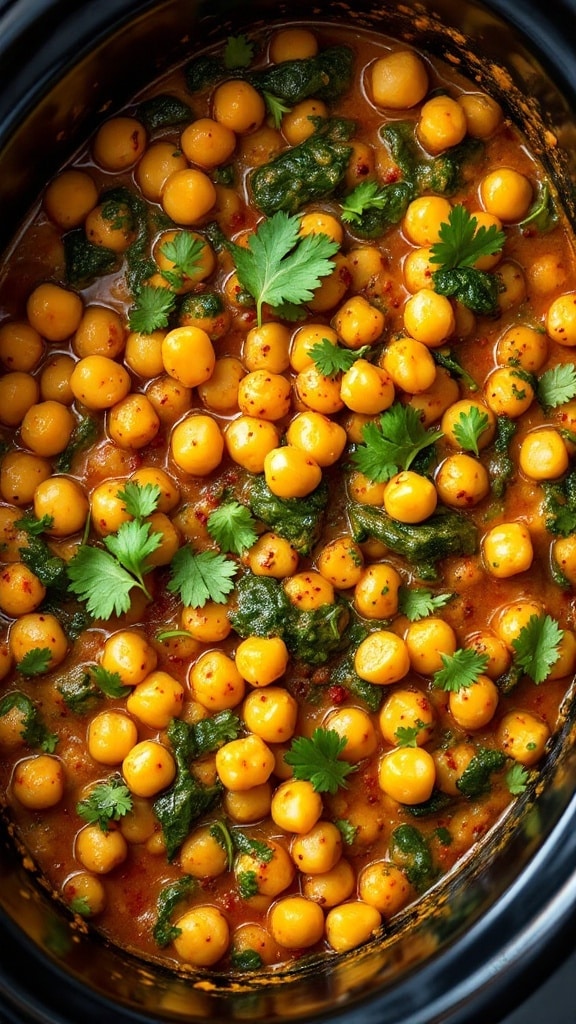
{"x": 276, "y": 107}
{"x": 543, "y": 214}
{"x": 501, "y": 466}
{"x": 475, "y": 778}
{"x": 83, "y": 436}
{"x": 347, "y": 830}
{"x": 109, "y": 683}
{"x": 80, "y": 905}
{"x": 460, "y": 670}
{"x": 152, "y": 308}
{"x": 232, "y": 526}
{"x": 417, "y": 602}
{"x": 84, "y": 261}
{"x": 410, "y": 851}
{"x": 35, "y": 662}
{"x": 371, "y": 209}
{"x": 247, "y": 884}
{"x": 201, "y": 577}
{"x": 246, "y": 960}
{"x": 393, "y": 444}
{"x": 79, "y": 692}
{"x": 560, "y": 505}
{"x": 469, "y": 428}
{"x": 34, "y": 732}
{"x": 537, "y": 646}
{"x": 108, "y": 801}
{"x": 316, "y": 759}
{"x": 33, "y": 526}
{"x": 333, "y": 359}
{"x": 280, "y": 267}
{"x": 461, "y": 242}
{"x": 448, "y": 361}
{"x": 163, "y": 111}
{"x": 298, "y": 520}
{"x": 557, "y": 385}
{"x": 163, "y": 931}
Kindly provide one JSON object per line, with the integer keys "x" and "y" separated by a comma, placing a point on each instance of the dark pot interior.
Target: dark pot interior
{"x": 504, "y": 920}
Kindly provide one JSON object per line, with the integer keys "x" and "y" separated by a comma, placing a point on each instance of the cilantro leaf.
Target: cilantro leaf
{"x": 184, "y": 250}
{"x": 247, "y": 884}
{"x": 460, "y": 670}
{"x": 163, "y": 931}
{"x": 418, "y": 602}
{"x": 132, "y": 543}
{"x": 461, "y": 242}
{"x": 35, "y": 662}
{"x": 281, "y": 267}
{"x": 202, "y": 577}
{"x": 34, "y": 732}
{"x": 140, "y": 500}
{"x": 543, "y": 214}
{"x": 276, "y": 107}
{"x": 108, "y": 801}
{"x": 80, "y": 905}
{"x": 332, "y": 359}
{"x": 407, "y": 735}
{"x": 33, "y": 526}
{"x": 97, "y": 578}
{"x": 368, "y": 195}
{"x": 316, "y": 759}
{"x": 246, "y": 959}
{"x": 393, "y": 444}
{"x": 152, "y": 309}
{"x": 517, "y": 779}
{"x": 537, "y": 646}
{"x": 557, "y": 385}
{"x": 238, "y": 52}
{"x": 469, "y": 428}
{"x": 232, "y": 526}
{"x": 347, "y": 830}
{"x": 110, "y": 683}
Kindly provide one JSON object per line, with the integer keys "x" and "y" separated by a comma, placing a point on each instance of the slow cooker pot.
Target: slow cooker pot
{"x": 485, "y": 939}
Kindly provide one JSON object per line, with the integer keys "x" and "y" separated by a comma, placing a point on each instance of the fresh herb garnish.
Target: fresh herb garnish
{"x": 109, "y": 801}
{"x": 368, "y": 195}
{"x": 34, "y": 732}
{"x": 407, "y": 735}
{"x": 201, "y": 577}
{"x": 110, "y": 683}
{"x": 556, "y": 386}
{"x": 33, "y": 526}
{"x": 238, "y": 52}
{"x": 140, "y": 500}
{"x": 104, "y": 579}
{"x": 246, "y": 959}
{"x": 333, "y": 359}
{"x": 393, "y": 444}
{"x": 543, "y": 214}
{"x": 460, "y": 670}
{"x": 233, "y": 527}
{"x": 461, "y": 242}
{"x": 418, "y": 602}
{"x": 35, "y": 662}
{"x": 276, "y": 107}
{"x": 80, "y": 905}
{"x": 282, "y": 268}
{"x": 247, "y": 884}
{"x": 347, "y": 830}
{"x": 184, "y": 250}
{"x": 469, "y": 428}
{"x": 316, "y": 759}
{"x": 537, "y": 646}
{"x": 152, "y": 308}
{"x": 163, "y": 931}
{"x": 517, "y": 779}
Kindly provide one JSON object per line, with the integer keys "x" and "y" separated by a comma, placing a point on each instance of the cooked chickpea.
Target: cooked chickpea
{"x": 429, "y": 318}
{"x": 315, "y": 391}
{"x": 512, "y": 618}
{"x": 21, "y": 347}
{"x": 98, "y": 382}
{"x": 69, "y": 197}
{"x": 366, "y": 388}
{"x": 427, "y": 640}
{"x": 423, "y": 218}
{"x": 418, "y": 269}
{"x": 110, "y": 226}
{"x": 208, "y": 624}
{"x": 493, "y": 648}
{"x": 119, "y": 143}
{"x": 366, "y": 491}
{"x": 304, "y": 339}
{"x": 170, "y": 399}
{"x": 331, "y": 887}
{"x": 382, "y": 658}
{"x": 53, "y": 311}
{"x": 156, "y": 165}
{"x": 321, "y": 223}
{"x": 156, "y": 700}
{"x": 261, "y": 660}
{"x": 290, "y": 472}
{"x": 21, "y": 591}
{"x": 376, "y": 592}
{"x": 566, "y": 656}
{"x": 399, "y": 80}
{"x": 296, "y": 922}
{"x": 238, "y": 106}
{"x": 264, "y": 395}
{"x": 129, "y": 653}
{"x": 86, "y": 889}
{"x": 38, "y": 630}
{"x": 271, "y": 714}
{"x": 188, "y": 355}
{"x": 459, "y": 413}
{"x": 296, "y": 806}
{"x": 100, "y": 852}
{"x": 462, "y": 481}
{"x": 409, "y": 364}
{"x": 506, "y": 193}
{"x": 441, "y": 125}
{"x": 543, "y": 454}
{"x": 272, "y": 555}
{"x": 512, "y": 285}
{"x": 351, "y": 925}
{"x": 201, "y": 855}
{"x": 547, "y": 273}
{"x": 215, "y": 681}
{"x": 474, "y": 706}
{"x": 358, "y": 323}
{"x": 55, "y": 379}
{"x": 47, "y": 428}
{"x": 207, "y": 143}
{"x": 383, "y": 885}
{"x": 318, "y": 851}
{"x": 507, "y": 393}
{"x": 298, "y": 123}
{"x": 188, "y": 195}
{"x": 20, "y": 474}
{"x": 185, "y": 280}
{"x": 133, "y": 421}
{"x": 483, "y": 114}
{"x": 341, "y": 562}
{"x": 410, "y": 497}
{"x": 523, "y": 736}
{"x": 99, "y": 333}
{"x": 451, "y": 763}
{"x": 19, "y": 393}
{"x": 197, "y": 444}
{"x": 249, "y": 439}
{"x": 244, "y": 763}
{"x": 407, "y": 709}
{"x": 407, "y": 774}
{"x": 507, "y": 550}
{"x": 203, "y": 936}
{"x": 107, "y": 508}
{"x": 564, "y": 556}
{"x": 318, "y": 436}
{"x": 309, "y": 590}
{"x": 355, "y": 726}
{"x": 111, "y": 736}
{"x": 272, "y": 876}
{"x": 267, "y": 348}
{"x": 523, "y": 346}
{"x": 333, "y": 287}
{"x": 432, "y": 403}
{"x": 148, "y": 768}
{"x": 560, "y": 320}
{"x": 38, "y": 782}
{"x": 63, "y": 500}
{"x": 250, "y": 805}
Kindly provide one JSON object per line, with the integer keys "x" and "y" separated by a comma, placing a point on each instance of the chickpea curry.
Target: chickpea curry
{"x": 288, "y": 507}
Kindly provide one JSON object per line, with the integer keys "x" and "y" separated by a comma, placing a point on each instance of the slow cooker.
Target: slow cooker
{"x": 491, "y": 935}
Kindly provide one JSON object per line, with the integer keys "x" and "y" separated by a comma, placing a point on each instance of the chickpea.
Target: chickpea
{"x": 55, "y": 379}
{"x": 290, "y": 472}
{"x": 292, "y": 44}
{"x": 318, "y": 436}
{"x": 274, "y": 556}
{"x": 188, "y": 195}
{"x": 262, "y": 660}
{"x": 512, "y": 285}
{"x": 491, "y": 646}
{"x": 53, "y": 311}
{"x": 200, "y": 266}
{"x": 207, "y": 143}
{"x": 474, "y": 706}
{"x": 47, "y": 428}
{"x": 21, "y": 591}
{"x": 111, "y": 736}
{"x": 169, "y": 496}
{"x": 296, "y": 922}
{"x": 418, "y": 269}
{"x": 19, "y": 393}
{"x": 361, "y": 165}
{"x": 64, "y": 501}
{"x": 216, "y": 683}
{"x": 358, "y": 323}
{"x": 197, "y": 444}
{"x": 100, "y": 852}
{"x": 69, "y": 197}
{"x": 298, "y": 123}
{"x": 238, "y": 106}
{"x": 442, "y": 124}
{"x": 564, "y": 556}
{"x": 429, "y": 318}
{"x": 523, "y": 346}
{"x": 523, "y": 736}
{"x": 341, "y": 562}
{"x": 309, "y": 590}
{"x": 133, "y": 422}
{"x": 543, "y": 454}
{"x": 188, "y": 355}
{"x": 156, "y": 700}
{"x": 507, "y": 550}
{"x": 267, "y": 348}
{"x": 506, "y": 193}
{"x": 248, "y": 806}
{"x": 98, "y": 382}
{"x": 366, "y": 491}
{"x": 376, "y": 592}
{"x": 156, "y": 165}
{"x": 244, "y": 763}
{"x": 111, "y": 226}
{"x": 462, "y": 481}
{"x": 260, "y": 146}
{"x": 13, "y": 721}
{"x": 119, "y": 143}
{"x": 410, "y": 497}
{"x": 458, "y": 414}
{"x": 367, "y": 388}
{"x": 483, "y": 114}
{"x": 333, "y": 287}
{"x": 296, "y": 806}
{"x": 38, "y": 782}
{"x": 382, "y": 658}
{"x": 129, "y": 654}
{"x": 409, "y": 365}
{"x": 315, "y": 391}
{"x": 566, "y": 659}
{"x": 355, "y": 727}
{"x": 99, "y": 333}
{"x": 432, "y": 403}
{"x": 304, "y": 339}
{"x": 351, "y": 925}
{"x": 170, "y": 399}
{"x": 264, "y": 395}
{"x": 20, "y": 474}
{"x": 208, "y": 624}
{"x": 320, "y": 223}
{"x": 407, "y": 774}
{"x": 560, "y": 320}
{"x": 108, "y": 510}
{"x": 407, "y": 709}
{"x": 271, "y": 714}
{"x": 318, "y": 851}
{"x": 546, "y": 274}
{"x": 148, "y": 768}
{"x": 384, "y": 886}
{"x": 423, "y": 218}
{"x": 87, "y": 889}
{"x": 511, "y": 619}
{"x": 399, "y": 80}
{"x": 249, "y": 439}
{"x": 202, "y": 856}
{"x": 21, "y": 347}
{"x": 507, "y": 393}
{"x": 203, "y": 936}
{"x": 38, "y": 630}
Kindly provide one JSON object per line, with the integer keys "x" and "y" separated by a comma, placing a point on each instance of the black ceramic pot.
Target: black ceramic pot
{"x": 480, "y": 944}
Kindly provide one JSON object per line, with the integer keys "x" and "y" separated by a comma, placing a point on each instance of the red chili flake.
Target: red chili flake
{"x": 337, "y": 694}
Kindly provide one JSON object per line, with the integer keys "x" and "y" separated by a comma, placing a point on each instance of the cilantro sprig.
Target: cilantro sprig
{"x": 276, "y": 107}
{"x": 35, "y": 662}
{"x": 418, "y": 602}
{"x": 469, "y": 428}
{"x": 332, "y": 359}
{"x": 233, "y": 527}
{"x": 282, "y": 268}
{"x": 198, "y": 577}
{"x": 368, "y": 195}
{"x": 460, "y": 670}
{"x": 556, "y": 386}
{"x": 393, "y": 444}
{"x": 462, "y": 242}
{"x": 238, "y": 52}
{"x": 152, "y": 308}
{"x": 316, "y": 760}
{"x": 109, "y": 801}
{"x": 184, "y": 250}
{"x": 537, "y": 646}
